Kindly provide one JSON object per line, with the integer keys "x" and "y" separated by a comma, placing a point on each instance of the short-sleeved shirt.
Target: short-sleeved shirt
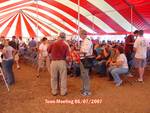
{"x": 59, "y": 50}
{"x": 32, "y": 43}
{"x": 123, "y": 58}
{"x": 141, "y": 45}
{"x": 8, "y": 55}
{"x": 14, "y": 44}
{"x": 87, "y": 47}
{"x": 43, "y": 49}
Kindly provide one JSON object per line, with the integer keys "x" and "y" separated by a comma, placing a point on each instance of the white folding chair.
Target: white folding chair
{"x": 2, "y": 74}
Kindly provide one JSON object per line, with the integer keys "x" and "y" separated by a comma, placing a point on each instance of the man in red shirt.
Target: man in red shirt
{"x": 59, "y": 52}
{"x": 129, "y": 42}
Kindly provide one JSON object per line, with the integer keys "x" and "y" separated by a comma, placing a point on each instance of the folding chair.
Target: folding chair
{"x": 131, "y": 71}
{"x": 2, "y": 74}
{"x": 126, "y": 79}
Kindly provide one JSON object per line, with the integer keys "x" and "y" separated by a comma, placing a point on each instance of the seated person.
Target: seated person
{"x": 74, "y": 61}
{"x": 119, "y": 67}
{"x": 100, "y": 66}
{"x": 112, "y": 59}
{"x": 97, "y": 49}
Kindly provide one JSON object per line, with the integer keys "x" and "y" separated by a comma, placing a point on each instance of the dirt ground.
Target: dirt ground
{"x": 32, "y": 95}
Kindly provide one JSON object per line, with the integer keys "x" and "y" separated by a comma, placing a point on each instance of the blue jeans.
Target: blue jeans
{"x": 7, "y": 66}
{"x": 85, "y": 78}
{"x": 100, "y": 66}
{"x": 116, "y": 72}
{"x": 109, "y": 72}
{"x": 76, "y": 69}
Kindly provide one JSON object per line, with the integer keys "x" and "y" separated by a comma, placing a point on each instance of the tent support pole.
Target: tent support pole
{"x": 78, "y": 15}
{"x": 78, "y": 21}
{"x": 37, "y": 17}
{"x": 131, "y": 19}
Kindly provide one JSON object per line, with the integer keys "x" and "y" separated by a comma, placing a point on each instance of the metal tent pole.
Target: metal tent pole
{"x": 2, "y": 74}
{"x": 78, "y": 22}
{"x": 131, "y": 19}
{"x": 78, "y": 15}
{"x": 37, "y": 11}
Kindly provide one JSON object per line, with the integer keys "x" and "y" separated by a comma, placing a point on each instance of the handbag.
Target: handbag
{"x": 87, "y": 62}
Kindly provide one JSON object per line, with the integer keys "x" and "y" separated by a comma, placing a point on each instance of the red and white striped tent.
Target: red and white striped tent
{"x": 37, "y": 18}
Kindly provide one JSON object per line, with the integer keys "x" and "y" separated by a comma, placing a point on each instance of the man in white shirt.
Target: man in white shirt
{"x": 86, "y": 51}
{"x": 140, "y": 47}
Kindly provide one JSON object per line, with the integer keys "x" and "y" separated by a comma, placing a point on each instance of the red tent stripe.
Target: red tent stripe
{"x": 53, "y": 20}
{"x": 73, "y": 13}
{"x": 29, "y": 28}
{"x": 6, "y": 30}
{"x": 6, "y": 20}
{"x": 57, "y": 14}
{"x": 7, "y": 15}
{"x": 125, "y": 11}
{"x": 61, "y": 25}
{"x": 18, "y": 27}
{"x": 49, "y": 10}
{"x": 141, "y": 16}
{"x": 48, "y": 27}
{"x": 2, "y": 1}
{"x": 41, "y": 29}
{"x": 99, "y": 14}
{"x": 13, "y": 4}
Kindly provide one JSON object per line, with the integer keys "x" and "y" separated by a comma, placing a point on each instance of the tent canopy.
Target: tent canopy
{"x": 37, "y": 18}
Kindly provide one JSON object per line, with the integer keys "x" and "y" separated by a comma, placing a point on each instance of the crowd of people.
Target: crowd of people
{"x": 64, "y": 58}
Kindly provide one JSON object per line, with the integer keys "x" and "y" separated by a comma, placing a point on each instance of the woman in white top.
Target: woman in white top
{"x": 120, "y": 66}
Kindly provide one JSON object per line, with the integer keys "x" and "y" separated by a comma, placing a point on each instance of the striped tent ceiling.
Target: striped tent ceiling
{"x": 33, "y": 18}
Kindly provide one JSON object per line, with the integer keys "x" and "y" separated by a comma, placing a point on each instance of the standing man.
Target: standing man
{"x": 86, "y": 51}
{"x": 140, "y": 47}
{"x": 32, "y": 45}
{"x": 14, "y": 43}
{"x": 129, "y": 42}
{"x": 59, "y": 51}
{"x": 8, "y": 61}
{"x": 129, "y": 52}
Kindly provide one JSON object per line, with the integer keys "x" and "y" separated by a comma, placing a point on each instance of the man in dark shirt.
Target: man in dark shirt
{"x": 14, "y": 43}
{"x": 129, "y": 42}
{"x": 59, "y": 52}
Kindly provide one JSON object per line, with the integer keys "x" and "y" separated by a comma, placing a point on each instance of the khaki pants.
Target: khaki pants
{"x": 59, "y": 76}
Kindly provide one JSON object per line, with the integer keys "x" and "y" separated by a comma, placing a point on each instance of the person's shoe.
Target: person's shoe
{"x": 18, "y": 67}
{"x": 86, "y": 93}
{"x": 119, "y": 84}
{"x": 71, "y": 75}
{"x": 37, "y": 75}
{"x": 54, "y": 94}
{"x": 64, "y": 94}
{"x": 130, "y": 75}
{"x": 139, "y": 80}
